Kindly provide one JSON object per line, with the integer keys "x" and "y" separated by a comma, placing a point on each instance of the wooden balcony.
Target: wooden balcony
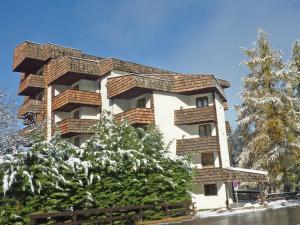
{"x": 197, "y": 84}
{"x": 69, "y": 100}
{"x": 67, "y": 70}
{"x": 132, "y": 85}
{"x": 137, "y": 116}
{"x": 31, "y": 85}
{"x": 28, "y": 57}
{"x": 31, "y": 106}
{"x": 197, "y": 145}
{"x": 72, "y": 127}
{"x": 195, "y": 115}
{"x": 129, "y": 86}
{"x": 214, "y": 175}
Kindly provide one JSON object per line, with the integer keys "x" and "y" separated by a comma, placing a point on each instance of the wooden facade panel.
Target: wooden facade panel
{"x": 71, "y": 99}
{"x": 71, "y": 127}
{"x": 197, "y": 145}
{"x": 195, "y": 115}
{"x": 67, "y": 70}
{"x": 182, "y": 84}
{"x": 137, "y": 116}
{"x": 31, "y": 84}
{"x": 31, "y": 106}
{"x": 28, "y": 57}
{"x": 213, "y": 175}
{"x": 119, "y": 85}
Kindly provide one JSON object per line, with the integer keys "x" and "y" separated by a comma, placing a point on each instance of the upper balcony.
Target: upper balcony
{"x": 69, "y": 100}
{"x": 72, "y": 127}
{"x": 28, "y": 57}
{"x": 137, "y": 116}
{"x": 197, "y": 145}
{"x": 68, "y": 70}
{"x": 31, "y": 84}
{"x": 195, "y": 115}
{"x": 31, "y": 106}
{"x": 129, "y": 86}
{"x": 196, "y": 84}
{"x": 132, "y": 85}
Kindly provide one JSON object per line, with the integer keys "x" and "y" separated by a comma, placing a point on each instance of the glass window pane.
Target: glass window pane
{"x": 208, "y": 159}
{"x": 208, "y": 130}
{"x": 201, "y": 102}
{"x": 210, "y": 189}
{"x": 141, "y": 103}
{"x": 205, "y": 102}
{"x": 202, "y": 132}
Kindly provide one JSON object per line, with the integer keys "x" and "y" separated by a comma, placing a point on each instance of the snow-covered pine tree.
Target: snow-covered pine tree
{"x": 120, "y": 165}
{"x": 267, "y": 115}
{"x": 292, "y": 90}
{"x": 10, "y": 140}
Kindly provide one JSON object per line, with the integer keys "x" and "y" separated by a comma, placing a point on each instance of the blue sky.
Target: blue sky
{"x": 188, "y": 36}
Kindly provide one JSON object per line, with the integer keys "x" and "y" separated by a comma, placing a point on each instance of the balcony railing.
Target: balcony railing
{"x": 68, "y": 70}
{"x": 31, "y": 106}
{"x": 137, "y": 116}
{"x": 195, "y": 115}
{"x": 197, "y": 145}
{"x": 129, "y": 86}
{"x": 72, "y": 127}
{"x": 69, "y": 100}
{"x": 28, "y": 57}
{"x": 190, "y": 85}
{"x": 31, "y": 85}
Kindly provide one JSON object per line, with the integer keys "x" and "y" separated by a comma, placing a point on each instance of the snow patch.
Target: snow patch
{"x": 248, "y": 207}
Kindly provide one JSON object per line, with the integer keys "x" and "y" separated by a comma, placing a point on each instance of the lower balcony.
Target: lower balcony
{"x": 31, "y": 85}
{"x": 72, "y": 99}
{"x": 195, "y": 115}
{"x": 137, "y": 116}
{"x": 71, "y": 127}
{"x": 31, "y": 106}
{"x": 231, "y": 174}
{"x": 197, "y": 145}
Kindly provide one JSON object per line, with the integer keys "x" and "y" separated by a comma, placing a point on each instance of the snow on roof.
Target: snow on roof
{"x": 249, "y": 170}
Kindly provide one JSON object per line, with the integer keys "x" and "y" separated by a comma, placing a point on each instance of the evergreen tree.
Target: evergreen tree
{"x": 267, "y": 116}
{"x": 120, "y": 165}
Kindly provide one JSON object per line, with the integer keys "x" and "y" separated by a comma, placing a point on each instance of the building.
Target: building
{"x": 69, "y": 89}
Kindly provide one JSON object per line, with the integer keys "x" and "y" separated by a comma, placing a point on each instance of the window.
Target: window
{"x": 210, "y": 189}
{"x": 208, "y": 159}
{"x": 76, "y": 87}
{"x": 76, "y": 114}
{"x": 77, "y": 141}
{"x": 141, "y": 103}
{"x": 205, "y": 130}
{"x": 99, "y": 85}
{"x": 201, "y": 102}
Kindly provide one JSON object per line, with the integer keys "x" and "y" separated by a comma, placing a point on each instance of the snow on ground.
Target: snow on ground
{"x": 248, "y": 207}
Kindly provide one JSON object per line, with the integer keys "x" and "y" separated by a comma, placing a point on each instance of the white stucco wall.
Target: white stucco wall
{"x": 49, "y": 112}
{"x": 209, "y": 202}
{"x": 58, "y": 88}
{"x": 165, "y": 105}
{"x": 222, "y": 131}
{"x": 86, "y": 85}
{"x": 59, "y": 116}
